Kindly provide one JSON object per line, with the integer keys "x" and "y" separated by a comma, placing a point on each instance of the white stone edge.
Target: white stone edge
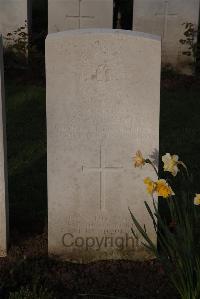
{"x": 74, "y": 32}
{"x": 3, "y": 251}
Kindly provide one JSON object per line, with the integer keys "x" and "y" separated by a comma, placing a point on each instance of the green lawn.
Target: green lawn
{"x": 26, "y": 133}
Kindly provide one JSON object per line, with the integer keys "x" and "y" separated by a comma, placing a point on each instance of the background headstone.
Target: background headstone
{"x": 3, "y": 168}
{"x": 13, "y": 15}
{"x": 103, "y": 96}
{"x": 166, "y": 18}
{"x": 76, "y": 14}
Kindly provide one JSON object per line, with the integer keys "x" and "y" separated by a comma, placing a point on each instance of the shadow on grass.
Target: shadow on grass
{"x": 26, "y": 143}
{"x": 180, "y": 125}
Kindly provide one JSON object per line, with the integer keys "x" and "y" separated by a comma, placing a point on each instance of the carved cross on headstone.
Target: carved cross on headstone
{"x": 79, "y": 16}
{"x": 102, "y": 169}
{"x": 166, "y": 15}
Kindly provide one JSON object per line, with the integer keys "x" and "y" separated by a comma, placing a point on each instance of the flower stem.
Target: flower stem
{"x": 151, "y": 163}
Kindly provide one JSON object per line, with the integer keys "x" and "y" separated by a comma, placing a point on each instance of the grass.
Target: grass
{"x": 179, "y": 125}
{"x": 26, "y": 143}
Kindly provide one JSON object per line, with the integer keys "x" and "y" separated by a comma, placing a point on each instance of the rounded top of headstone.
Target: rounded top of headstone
{"x": 99, "y": 31}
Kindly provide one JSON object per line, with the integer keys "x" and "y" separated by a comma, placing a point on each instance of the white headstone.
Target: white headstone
{"x": 13, "y": 15}
{"x": 76, "y": 14}
{"x": 103, "y": 96}
{"x": 166, "y": 18}
{"x": 3, "y": 169}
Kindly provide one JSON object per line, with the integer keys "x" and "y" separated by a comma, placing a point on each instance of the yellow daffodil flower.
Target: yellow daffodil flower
{"x": 163, "y": 189}
{"x": 197, "y": 200}
{"x": 138, "y": 159}
{"x": 151, "y": 185}
{"x": 170, "y": 163}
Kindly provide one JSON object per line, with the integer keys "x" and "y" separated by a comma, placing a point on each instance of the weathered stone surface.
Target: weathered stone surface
{"x": 3, "y": 168}
{"x": 166, "y": 18}
{"x": 76, "y": 14}
{"x": 103, "y": 96}
{"x": 13, "y": 15}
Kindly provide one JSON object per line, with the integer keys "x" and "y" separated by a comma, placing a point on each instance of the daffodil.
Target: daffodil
{"x": 138, "y": 159}
{"x": 197, "y": 200}
{"x": 151, "y": 185}
{"x": 170, "y": 163}
{"x": 163, "y": 189}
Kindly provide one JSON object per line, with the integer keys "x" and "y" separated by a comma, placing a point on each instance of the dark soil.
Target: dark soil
{"x": 28, "y": 265}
